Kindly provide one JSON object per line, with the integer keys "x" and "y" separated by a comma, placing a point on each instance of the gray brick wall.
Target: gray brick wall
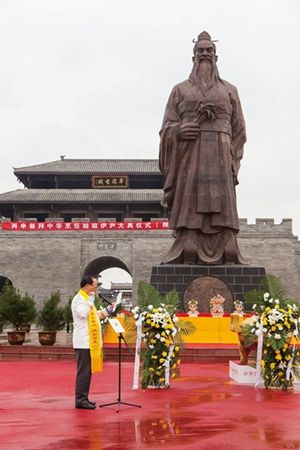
{"x": 39, "y": 262}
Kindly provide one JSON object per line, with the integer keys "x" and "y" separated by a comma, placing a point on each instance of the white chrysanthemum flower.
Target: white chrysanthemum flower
{"x": 277, "y": 301}
{"x": 157, "y": 336}
{"x": 270, "y": 300}
{"x": 168, "y": 331}
{"x": 258, "y": 332}
{"x": 266, "y": 296}
{"x": 135, "y": 310}
{"x": 277, "y": 336}
{"x": 175, "y": 319}
{"x": 265, "y": 330}
{"x": 136, "y": 316}
{"x": 295, "y": 332}
{"x": 162, "y": 339}
{"x": 282, "y": 365}
{"x": 150, "y": 307}
{"x": 254, "y": 306}
{"x": 151, "y": 346}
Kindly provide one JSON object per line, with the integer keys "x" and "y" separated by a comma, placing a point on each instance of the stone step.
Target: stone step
{"x": 189, "y": 354}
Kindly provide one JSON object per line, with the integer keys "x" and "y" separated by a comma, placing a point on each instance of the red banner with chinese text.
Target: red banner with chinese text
{"x": 85, "y": 226}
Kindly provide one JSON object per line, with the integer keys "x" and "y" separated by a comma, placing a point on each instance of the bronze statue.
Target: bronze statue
{"x": 202, "y": 139}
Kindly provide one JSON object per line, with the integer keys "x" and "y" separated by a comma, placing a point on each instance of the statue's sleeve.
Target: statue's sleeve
{"x": 168, "y": 133}
{"x": 238, "y": 131}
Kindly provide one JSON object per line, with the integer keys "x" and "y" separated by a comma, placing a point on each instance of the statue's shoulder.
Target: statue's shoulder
{"x": 230, "y": 87}
{"x": 182, "y": 85}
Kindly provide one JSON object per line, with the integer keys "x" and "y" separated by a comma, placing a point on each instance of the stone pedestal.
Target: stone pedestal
{"x": 204, "y": 282}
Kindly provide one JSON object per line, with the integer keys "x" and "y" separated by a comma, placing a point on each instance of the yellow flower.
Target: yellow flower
{"x": 161, "y": 380}
{"x": 161, "y": 360}
{"x": 148, "y": 321}
{"x": 158, "y": 372}
{"x": 164, "y": 354}
{"x": 152, "y": 341}
{"x": 273, "y": 328}
{"x": 154, "y": 357}
{"x": 280, "y": 374}
{"x": 177, "y": 348}
{"x": 262, "y": 363}
{"x": 278, "y": 357}
{"x": 151, "y": 369}
{"x": 288, "y": 357}
{"x": 272, "y": 365}
{"x": 173, "y": 375}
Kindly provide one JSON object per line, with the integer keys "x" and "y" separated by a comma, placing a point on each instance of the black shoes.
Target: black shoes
{"x": 86, "y": 405}
{"x": 92, "y": 403}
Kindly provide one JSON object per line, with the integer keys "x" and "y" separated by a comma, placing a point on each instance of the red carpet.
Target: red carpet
{"x": 202, "y": 410}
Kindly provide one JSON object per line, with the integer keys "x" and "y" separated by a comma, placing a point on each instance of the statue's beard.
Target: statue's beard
{"x": 205, "y": 74}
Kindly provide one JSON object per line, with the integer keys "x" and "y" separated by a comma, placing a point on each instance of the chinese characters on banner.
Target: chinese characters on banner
{"x": 84, "y": 226}
{"x": 110, "y": 182}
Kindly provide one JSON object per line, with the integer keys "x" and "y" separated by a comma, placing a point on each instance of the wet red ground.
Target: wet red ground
{"x": 202, "y": 410}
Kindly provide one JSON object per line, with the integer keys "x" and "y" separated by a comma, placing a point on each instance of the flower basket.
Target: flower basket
{"x": 277, "y": 321}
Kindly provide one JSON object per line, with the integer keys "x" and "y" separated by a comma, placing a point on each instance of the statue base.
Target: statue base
{"x": 203, "y": 282}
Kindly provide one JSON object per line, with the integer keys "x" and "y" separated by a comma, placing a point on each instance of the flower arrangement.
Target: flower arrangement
{"x": 159, "y": 331}
{"x": 155, "y": 325}
{"x": 278, "y": 321}
{"x": 216, "y": 305}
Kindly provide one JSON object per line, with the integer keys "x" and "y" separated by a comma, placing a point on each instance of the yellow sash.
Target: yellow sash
{"x": 95, "y": 337}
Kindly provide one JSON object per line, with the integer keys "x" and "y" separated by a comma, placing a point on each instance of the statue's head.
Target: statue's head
{"x": 204, "y": 49}
{"x": 204, "y": 71}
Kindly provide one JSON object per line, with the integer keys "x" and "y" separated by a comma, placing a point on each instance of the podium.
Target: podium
{"x": 117, "y": 327}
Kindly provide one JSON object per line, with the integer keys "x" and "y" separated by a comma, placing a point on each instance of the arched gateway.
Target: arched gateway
{"x": 102, "y": 263}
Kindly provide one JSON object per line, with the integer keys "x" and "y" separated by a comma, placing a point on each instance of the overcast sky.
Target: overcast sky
{"x": 90, "y": 79}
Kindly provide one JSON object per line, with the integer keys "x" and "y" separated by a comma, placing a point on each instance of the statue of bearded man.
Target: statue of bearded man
{"x": 202, "y": 139}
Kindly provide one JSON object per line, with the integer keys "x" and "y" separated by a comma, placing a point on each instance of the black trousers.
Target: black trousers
{"x": 84, "y": 375}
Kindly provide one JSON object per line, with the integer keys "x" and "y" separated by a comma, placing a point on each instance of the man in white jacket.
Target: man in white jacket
{"x": 87, "y": 340}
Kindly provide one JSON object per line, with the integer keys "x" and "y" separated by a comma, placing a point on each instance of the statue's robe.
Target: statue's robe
{"x": 200, "y": 175}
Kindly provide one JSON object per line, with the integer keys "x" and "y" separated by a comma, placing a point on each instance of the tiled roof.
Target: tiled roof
{"x": 80, "y": 195}
{"x": 88, "y": 166}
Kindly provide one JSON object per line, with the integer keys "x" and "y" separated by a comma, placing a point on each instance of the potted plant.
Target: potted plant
{"x": 18, "y": 310}
{"x": 50, "y": 318}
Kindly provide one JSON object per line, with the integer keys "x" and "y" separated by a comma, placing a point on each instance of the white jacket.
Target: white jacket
{"x": 80, "y": 311}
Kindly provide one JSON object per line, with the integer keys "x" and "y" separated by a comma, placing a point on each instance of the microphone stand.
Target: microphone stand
{"x": 119, "y": 401}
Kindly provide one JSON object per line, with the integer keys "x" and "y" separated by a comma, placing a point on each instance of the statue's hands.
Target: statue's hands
{"x": 188, "y": 131}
